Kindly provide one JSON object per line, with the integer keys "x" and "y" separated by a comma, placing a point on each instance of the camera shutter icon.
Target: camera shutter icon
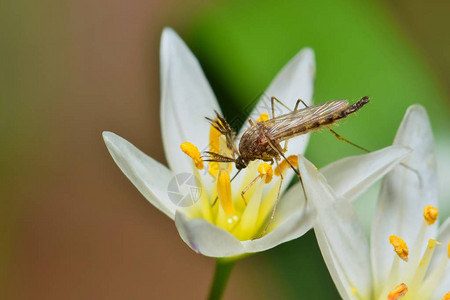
{"x": 184, "y": 189}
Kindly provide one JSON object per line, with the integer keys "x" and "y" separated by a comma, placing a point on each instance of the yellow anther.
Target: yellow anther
{"x": 224, "y": 192}
{"x": 263, "y": 117}
{"x": 400, "y": 247}
{"x": 448, "y": 249}
{"x": 354, "y": 290}
{"x": 266, "y": 169}
{"x": 293, "y": 159}
{"x": 430, "y": 213}
{"x": 432, "y": 243}
{"x": 446, "y": 296}
{"x": 397, "y": 292}
{"x": 192, "y": 151}
{"x": 214, "y": 134}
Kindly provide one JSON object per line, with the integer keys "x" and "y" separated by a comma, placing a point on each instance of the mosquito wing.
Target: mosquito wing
{"x": 296, "y": 123}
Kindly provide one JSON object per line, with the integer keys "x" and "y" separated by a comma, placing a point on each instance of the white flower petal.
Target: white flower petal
{"x": 149, "y": 176}
{"x": 440, "y": 252}
{"x": 443, "y": 157}
{"x": 340, "y": 235}
{"x": 341, "y": 282}
{"x": 404, "y": 195}
{"x": 292, "y": 202}
{"x": 186, "y": 99}
{"x": 443, "y": 287}
{"x": 294, "y": 81}
{"x": 291, "y": 220}
{"x": 206, "y": 238}
{"x": 442, "y": 249}
{"x": 348, "y": 177}
{"x": 351, "y": 176}
{"x": 444, "y": 239}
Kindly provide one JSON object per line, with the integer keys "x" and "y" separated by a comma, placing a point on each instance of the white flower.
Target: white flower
{"x": 229, "y": 226}
{"x": 404, "y": 257}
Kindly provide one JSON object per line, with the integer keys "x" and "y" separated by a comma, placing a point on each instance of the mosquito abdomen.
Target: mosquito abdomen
{"x": 325, "y": 120}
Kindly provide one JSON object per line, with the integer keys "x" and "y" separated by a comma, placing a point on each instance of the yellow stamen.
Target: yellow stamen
{"x": 400, "y": 247}
{"x": 432, "y": 243}
{"x": 192, "y": 151}
{"x": 430, "y": 213}
{"x": 446, "y": 296}
{"x": 422, "y": 268}
{"x": 435, "y": 277}
{"x": 247, "y": 228}
{"x": 224, "y": 192}
{"x": 214, "y": 134}
{"x": 397, "y": 292}
{"x": 266, "y": 169}
{"x": 263, "y": 117}
{"x": 448, "y": 250}
{"x": 225, "y": 151}
{"x": 293, "y": 159}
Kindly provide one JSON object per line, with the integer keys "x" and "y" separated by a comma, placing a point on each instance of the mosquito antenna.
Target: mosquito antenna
{"x": 216, "y": 157}
{"x": 222, "y": 126}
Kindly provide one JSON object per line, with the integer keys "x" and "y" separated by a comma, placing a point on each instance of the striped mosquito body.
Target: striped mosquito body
{"x": 262, "y": 140}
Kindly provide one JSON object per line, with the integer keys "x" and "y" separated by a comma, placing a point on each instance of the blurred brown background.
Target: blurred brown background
{"x": 72, "y": 226}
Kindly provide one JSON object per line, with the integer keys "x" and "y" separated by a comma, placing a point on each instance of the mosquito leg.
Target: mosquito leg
{"x": 276, "y": 147}
{"x": 298, "y": 102}
{"x": 295, "y": 109}
{"x": 341, "y": 138}
{"x": 273, "y": 99}
{"x": 270, "y": 161}
{"x": 215, "y": 201}
{"x": 279, "y": 170}
{"x": 274, "y": 209}
{"x": 247, "y": 188}
{"x": 279, "y": 150}
{"x": 273, "y": 106}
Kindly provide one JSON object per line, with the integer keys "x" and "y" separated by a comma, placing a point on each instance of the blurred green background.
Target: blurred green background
{"x": 73, "y": 227}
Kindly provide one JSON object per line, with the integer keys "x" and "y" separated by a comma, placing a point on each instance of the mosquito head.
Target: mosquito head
{"x": 241, "y": 163}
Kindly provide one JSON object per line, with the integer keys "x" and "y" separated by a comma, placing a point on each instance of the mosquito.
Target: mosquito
{"x": 262, "y": 140}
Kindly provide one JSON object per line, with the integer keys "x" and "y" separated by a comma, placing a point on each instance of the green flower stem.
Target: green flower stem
{"x": 221, "y": 276}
